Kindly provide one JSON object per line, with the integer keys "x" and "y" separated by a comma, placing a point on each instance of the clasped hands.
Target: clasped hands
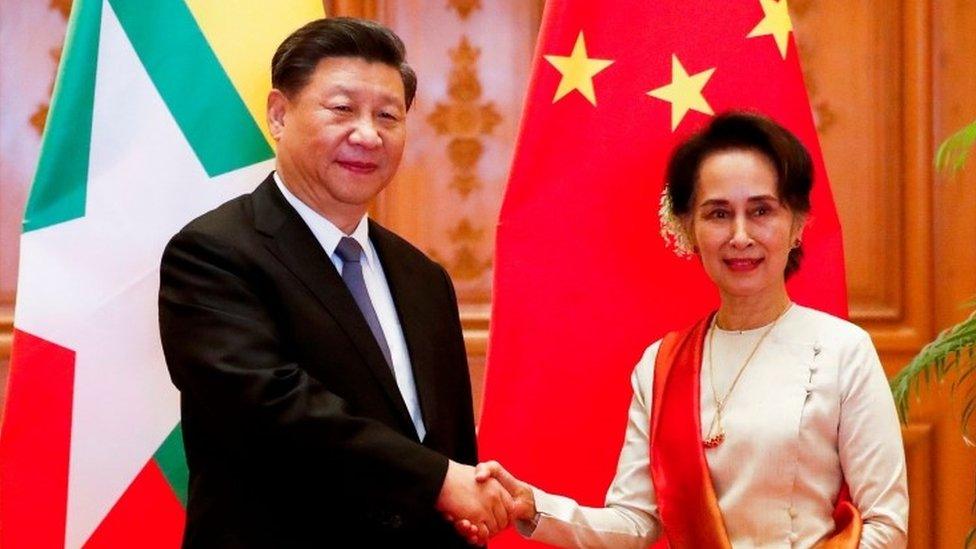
{"x": 482, "y": 501}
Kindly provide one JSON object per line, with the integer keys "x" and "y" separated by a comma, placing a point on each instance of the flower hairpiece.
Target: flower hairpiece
{"x": 672, "y": 230}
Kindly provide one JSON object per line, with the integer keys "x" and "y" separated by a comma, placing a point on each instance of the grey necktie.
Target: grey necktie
{"x": 352, "y": 274}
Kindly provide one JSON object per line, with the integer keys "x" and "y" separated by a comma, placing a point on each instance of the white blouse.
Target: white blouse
{"x": 811, "y": 409}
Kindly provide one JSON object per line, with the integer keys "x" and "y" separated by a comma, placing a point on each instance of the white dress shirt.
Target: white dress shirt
{"x": 813, "y": 408}
{"x": 328, "y": 236}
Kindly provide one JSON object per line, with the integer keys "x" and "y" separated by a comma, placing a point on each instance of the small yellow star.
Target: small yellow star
{"x": 578, "y": 71}
{"x": 684, "y": 92}
{"x": 776, "y": 23}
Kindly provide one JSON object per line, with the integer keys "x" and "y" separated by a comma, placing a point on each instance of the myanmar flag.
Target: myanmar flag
{"x": 583, "y": 279}
{"x": 157, "y": 116}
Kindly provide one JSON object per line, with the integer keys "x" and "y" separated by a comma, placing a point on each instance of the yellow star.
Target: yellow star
{"x": 578, "y": 71}
{"x": 776, "y": 22}
{"x": 684, "y": 92}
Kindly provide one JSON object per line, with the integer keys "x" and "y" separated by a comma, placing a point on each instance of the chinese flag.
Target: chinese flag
{"x": 583, "y": 280}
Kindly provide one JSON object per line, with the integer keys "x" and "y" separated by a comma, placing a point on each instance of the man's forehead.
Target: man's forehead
{"x": 354, "y": 75}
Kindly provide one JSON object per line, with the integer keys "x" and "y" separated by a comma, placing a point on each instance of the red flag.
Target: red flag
{"x": 583, "y": 280}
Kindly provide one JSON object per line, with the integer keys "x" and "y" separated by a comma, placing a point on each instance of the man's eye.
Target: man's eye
{"x": 389, "y": 116}
{"x": 341, "y": 108}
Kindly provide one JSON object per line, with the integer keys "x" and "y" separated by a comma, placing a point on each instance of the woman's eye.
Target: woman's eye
{"x": 719, "y": 214}
{"x": 342, "y": 108}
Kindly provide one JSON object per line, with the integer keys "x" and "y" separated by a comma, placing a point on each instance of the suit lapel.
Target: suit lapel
{"x": 406, "y": 289}
{"x": 293, "y": 243}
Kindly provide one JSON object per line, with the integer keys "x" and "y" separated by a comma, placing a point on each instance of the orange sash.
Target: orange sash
{"x": 686, "y": 499}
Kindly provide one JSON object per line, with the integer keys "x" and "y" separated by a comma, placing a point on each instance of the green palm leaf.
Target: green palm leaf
{"x": 952, "y": 352}
{"x": 954, "y": 151}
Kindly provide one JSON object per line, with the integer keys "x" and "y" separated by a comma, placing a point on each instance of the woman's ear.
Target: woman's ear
{"x": 796, "y": 232}
{"x": 688, "y": 230}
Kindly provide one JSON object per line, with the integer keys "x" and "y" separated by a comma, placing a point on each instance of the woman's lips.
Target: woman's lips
{"x": 743, "y": 264}
{"x": 357, "y": 167}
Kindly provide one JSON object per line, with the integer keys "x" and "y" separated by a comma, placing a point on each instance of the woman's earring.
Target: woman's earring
{"x": 796, "y": 243}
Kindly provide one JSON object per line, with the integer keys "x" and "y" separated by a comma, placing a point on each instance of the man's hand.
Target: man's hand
{"x": 521, "y": 492}
{"x": 483, "y": 505}
{"x": 524, "y": 499}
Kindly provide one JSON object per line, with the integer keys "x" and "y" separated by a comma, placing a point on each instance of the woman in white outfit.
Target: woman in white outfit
{"x": 775, "y": 426}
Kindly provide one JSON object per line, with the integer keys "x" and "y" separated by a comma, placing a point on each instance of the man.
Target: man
{"x": 324, "y": 386}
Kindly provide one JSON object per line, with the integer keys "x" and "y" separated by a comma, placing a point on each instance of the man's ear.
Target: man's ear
{"x": 277, "y": 105}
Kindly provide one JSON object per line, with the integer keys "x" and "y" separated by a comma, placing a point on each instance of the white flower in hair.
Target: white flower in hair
{"x": 672, "y": 230}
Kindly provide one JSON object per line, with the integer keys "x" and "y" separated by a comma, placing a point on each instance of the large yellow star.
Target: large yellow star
{"x": 776, "y": 22}
{"x": 578, "y": 71}
{"x": 684, "y": 92}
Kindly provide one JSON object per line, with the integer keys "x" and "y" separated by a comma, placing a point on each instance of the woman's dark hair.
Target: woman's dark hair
{"x": 298, "y": 56}
{"x": 737, "y": 130}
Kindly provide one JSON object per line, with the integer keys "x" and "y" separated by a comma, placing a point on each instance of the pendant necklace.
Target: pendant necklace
{"x": 716, "y": 433}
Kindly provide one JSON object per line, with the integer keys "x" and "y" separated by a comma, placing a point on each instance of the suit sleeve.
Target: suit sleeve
{"x": 466, "y": 437}
{"x": 226, "y": 357}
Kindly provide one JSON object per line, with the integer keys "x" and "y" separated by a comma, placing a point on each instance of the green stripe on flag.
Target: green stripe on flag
{"x": 58, "y": 191}
{"x": 193, "y": 84}
{"x": 172, "y": 462}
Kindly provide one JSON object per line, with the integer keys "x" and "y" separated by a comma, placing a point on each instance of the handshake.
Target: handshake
{"x": 482, "y": 501}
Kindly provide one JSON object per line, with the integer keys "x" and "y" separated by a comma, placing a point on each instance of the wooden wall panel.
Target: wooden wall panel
{"x": 867, "y": 68}
{"x": 953, "y": 217}
{"x": 919, "y": 449}
{"x": 875, "y": 73}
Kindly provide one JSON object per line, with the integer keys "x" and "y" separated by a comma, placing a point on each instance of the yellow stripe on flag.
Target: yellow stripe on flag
{"x": 244, "y": 35}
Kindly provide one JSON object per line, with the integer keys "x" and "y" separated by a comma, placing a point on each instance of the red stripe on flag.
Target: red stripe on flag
{"x": 35, "y": 443}
{"x": 147, "y": 516}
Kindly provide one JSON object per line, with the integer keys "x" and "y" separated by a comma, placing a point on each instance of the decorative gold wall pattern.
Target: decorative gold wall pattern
{"x": 39, "y": 117}
{"x": 464, "y": 7}
{"x": 466, "y": 263}
{"x": 472, "y": 65}
{"x": 464, "y": 118}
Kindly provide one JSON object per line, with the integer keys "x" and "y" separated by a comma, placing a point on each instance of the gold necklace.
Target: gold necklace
{"x": 716, "y": 433}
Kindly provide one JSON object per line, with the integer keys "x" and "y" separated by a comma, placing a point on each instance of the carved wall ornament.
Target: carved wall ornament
{"x": 466, "y": 120}
{"x": 464, "y": 7}
{"x": 38, "y": 119}
{"x": 465, "y": 265}
{"x": 465, "y": 233}
{"x": 62, "y": 6}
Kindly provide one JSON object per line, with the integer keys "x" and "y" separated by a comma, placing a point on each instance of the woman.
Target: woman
{"x": 753, "y": 426}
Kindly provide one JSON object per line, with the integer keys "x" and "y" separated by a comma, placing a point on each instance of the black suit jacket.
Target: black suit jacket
{"x": 295, "y": 432}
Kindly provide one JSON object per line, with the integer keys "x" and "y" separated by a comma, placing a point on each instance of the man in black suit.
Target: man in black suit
{"x": 324, "y": 388}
